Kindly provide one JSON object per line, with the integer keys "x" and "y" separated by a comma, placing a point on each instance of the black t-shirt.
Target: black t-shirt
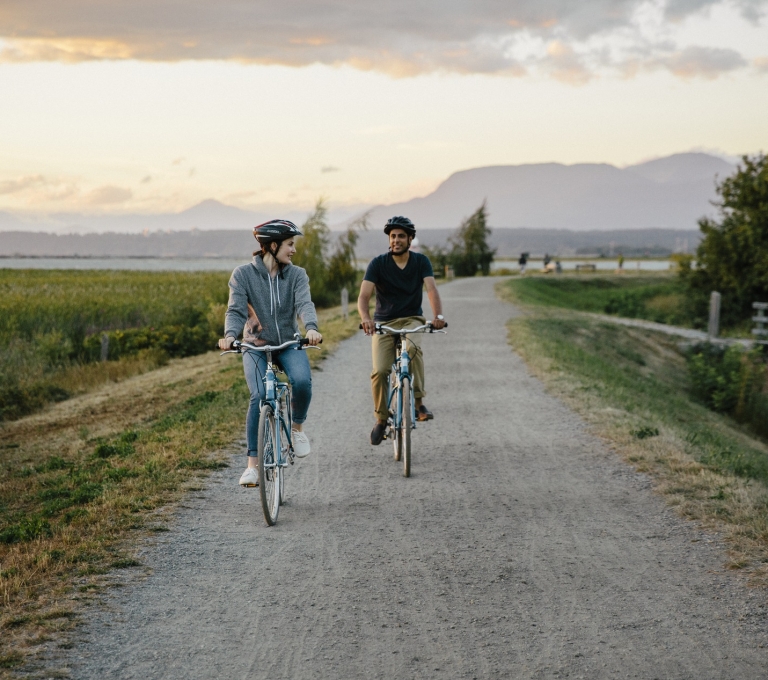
{"x": 398, "y": 291}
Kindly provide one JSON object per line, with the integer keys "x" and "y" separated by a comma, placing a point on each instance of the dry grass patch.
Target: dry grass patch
{"x": 85, "y": 478}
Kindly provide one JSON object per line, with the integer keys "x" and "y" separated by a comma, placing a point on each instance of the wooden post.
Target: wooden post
{"x": 448, "y": 272}
{"x": 104, "y": 346}
{"x": 714, "y": 315}
{"x": 761, "y": 320}
{"x": 344, "y": 303}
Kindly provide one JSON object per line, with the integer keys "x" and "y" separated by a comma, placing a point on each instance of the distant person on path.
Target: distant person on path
{"x": 522, "y": 262}
{"x": 621, "y": 262}
{"x": 397, "y": 276}
{"x": 265, "y": 299}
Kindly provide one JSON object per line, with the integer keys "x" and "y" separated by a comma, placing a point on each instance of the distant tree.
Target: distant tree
{"x": 311, "y": 251}
{"x": 439, "y": 257}
{"x": 732, "y": 257}
{"x": 470, "y": 252}
{"x": 342, "y": 266}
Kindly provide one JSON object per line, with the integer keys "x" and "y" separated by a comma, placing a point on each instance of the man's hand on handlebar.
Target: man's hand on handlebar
{"x": 437, "y": 324}
{"x": 314, "y": 338}
{"x": 226, "y": 343}
{"x": 369, "y": 327}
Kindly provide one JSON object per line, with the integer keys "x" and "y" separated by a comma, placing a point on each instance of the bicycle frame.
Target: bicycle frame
{"x": 278, "y": 396}
{"x": 401, "y": 368}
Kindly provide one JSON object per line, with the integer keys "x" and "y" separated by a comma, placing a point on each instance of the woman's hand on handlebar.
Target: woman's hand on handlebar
{"x": 314, "y": 338}
{"x": 226, "y": 343}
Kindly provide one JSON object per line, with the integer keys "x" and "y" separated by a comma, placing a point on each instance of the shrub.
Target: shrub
{"x": 731, "y": 380}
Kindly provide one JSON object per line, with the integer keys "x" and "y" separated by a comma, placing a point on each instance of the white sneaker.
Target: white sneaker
{"x": 250, "y": 477}
{"x": 300, "y": 444}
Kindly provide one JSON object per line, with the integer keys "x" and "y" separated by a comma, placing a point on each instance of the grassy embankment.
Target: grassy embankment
{"x": 633, "y": 387}
{"x": 654, "y": 297}
{"x": 85, "y": 477}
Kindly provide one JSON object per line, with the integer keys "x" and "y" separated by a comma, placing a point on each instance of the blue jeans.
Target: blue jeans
{"x": 296, "y": 366}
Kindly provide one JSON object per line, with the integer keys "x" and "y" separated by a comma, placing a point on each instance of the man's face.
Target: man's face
{"x": 399, "y": 241}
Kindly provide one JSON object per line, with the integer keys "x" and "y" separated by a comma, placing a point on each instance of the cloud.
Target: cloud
{"x": 704, "y": 62}
{"x": 109, "y": 195}
{"x": 566, "y": 65}
{"x": 15, "y": 186}
{"x": 35, "y": 188}
{"x": 677, "y": 10}
{"x": 761, "y": 64}
{"x": 399, "y": 37}
{"x": 147, "y": 179}
{"x": 329, "y": 168}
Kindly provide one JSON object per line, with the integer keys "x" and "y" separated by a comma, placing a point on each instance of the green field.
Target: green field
{"x": 52, "y": 322}
{"x": 656, "y": 297}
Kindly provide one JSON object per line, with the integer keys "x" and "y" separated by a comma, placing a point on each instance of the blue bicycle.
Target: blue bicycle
{"x": 275, "y": 447}
{"x": 400, "y": 401}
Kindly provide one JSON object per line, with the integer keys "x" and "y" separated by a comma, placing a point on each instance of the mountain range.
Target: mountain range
{"x": 650, "y": 205}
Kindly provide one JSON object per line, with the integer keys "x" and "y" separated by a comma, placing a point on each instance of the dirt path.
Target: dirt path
{"x": 520, "y": 547}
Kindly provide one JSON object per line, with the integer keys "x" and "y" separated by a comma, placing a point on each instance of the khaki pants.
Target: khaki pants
{"x": 383, "y": 350}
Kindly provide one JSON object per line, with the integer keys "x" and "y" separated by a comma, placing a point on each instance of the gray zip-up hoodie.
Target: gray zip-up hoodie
{"x": 265, "y": 309}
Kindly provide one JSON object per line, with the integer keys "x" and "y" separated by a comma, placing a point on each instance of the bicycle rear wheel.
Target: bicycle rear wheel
{"x": 405, "y": 427}
{"x": 269, "y": 472}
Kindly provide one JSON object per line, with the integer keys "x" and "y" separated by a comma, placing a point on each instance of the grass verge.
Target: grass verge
{"x": 655, "y": 297}
{"x": 631, "y": 385}
{"x": 84, "y": 479}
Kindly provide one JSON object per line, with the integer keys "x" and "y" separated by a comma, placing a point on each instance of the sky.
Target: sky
{"x": 152, "y": 106}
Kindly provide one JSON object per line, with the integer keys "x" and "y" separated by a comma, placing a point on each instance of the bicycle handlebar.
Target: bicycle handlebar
{"x": 239, "y": 346}
{"x": 381, "y": 329}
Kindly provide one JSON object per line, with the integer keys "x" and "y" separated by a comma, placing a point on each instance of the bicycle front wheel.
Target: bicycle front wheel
{"x": 269, "y": 472}
{"x": 405, "y": 427}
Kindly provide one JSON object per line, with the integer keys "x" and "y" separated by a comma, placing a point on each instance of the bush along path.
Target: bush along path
{"x": 82, "y": 480}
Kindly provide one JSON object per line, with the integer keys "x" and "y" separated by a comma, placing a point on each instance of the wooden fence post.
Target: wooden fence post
{"x": 761, "y": 320}
{"x": 344, "y": 303}
{"x": 714, "y": 315}
{"x": 104, "y": 346}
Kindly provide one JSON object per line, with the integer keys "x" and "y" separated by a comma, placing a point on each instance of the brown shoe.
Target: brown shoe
{"x": 423, "y": 413}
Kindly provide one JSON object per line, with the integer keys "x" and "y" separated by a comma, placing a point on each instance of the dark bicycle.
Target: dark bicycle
{"x": 275, "y": 449}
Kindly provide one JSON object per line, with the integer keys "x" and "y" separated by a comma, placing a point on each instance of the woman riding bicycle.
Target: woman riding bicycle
{"x": 265, "y": 299}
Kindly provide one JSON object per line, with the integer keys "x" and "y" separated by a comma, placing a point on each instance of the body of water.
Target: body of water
{"x": 153, "y": 264}
{"x": 159, "y": 264}
{"x": 602, "y": 264}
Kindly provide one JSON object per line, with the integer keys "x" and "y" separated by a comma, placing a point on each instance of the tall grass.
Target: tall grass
{"x": 52, "y": 322}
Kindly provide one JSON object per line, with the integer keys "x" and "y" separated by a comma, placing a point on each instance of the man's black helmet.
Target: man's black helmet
{"x": 400, "y": 222}
{"x": 275, "y": 230}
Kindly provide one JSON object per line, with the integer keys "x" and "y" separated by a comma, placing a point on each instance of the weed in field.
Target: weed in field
{"x": 645, "y": 432}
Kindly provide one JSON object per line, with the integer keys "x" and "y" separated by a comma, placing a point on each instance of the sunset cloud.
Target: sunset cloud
{"x": 400, "y": 38}
{"x": 704, "y": 62}
{"x": 109, "y": 195}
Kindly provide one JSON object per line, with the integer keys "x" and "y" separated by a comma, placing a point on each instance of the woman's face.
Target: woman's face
{"x": 286, "y": 251}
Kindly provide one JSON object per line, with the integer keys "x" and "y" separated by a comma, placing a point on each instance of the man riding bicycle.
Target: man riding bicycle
{"x": 397, "y": 276}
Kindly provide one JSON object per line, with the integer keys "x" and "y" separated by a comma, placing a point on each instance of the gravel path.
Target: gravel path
{"x": 520, "y": 547}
